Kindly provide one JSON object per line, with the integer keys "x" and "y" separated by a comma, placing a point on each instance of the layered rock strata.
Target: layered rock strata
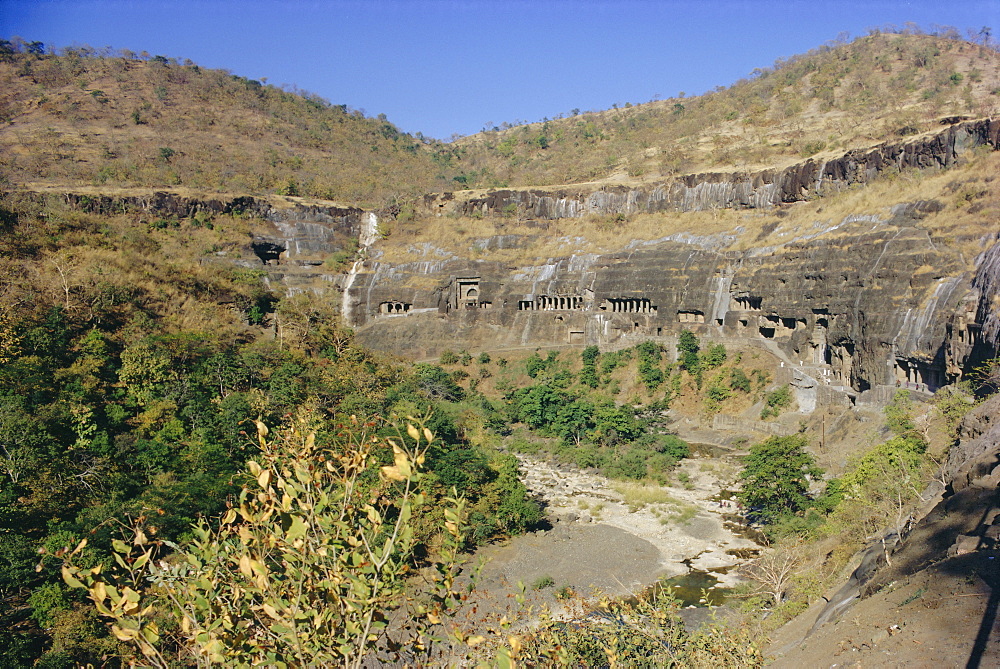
{"x": 698, "y": 192}
{"x": 849, "y": 310}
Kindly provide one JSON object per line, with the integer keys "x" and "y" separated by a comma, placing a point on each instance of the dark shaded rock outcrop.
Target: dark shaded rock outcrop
{"x": 304, "y": 233}
{"x": 849, "y": 307}
{"x": 975, "y": 459}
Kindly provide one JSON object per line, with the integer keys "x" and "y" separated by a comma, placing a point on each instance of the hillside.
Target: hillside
{"x": 117, "y": 120}
{"x": 110, "y": 119}
{"x": 841, "y": 96}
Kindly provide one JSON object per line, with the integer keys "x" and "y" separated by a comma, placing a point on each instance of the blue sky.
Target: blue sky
{"x": 445, "y": 66}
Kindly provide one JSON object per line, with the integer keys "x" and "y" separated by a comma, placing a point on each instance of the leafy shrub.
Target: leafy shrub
{"x": 674, "y": 446}
{"x": 718, "y": 393}
{"x": 534, "y": 365}
{"x": 588, "y": 375}
{"x": 321, "y": 552}
{"x": 629, "y": 464}
{"x": 738, "y": 380}
{"x": 614, "y": 359}
{"x": 687, "y": 349}
{"x": 714, "y": 356}
{"x": 647, "y": 631}
{"x": 775, "y": 401}
{"x": 899, "y": 455}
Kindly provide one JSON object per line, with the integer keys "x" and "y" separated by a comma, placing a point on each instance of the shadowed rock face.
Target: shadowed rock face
{"x": 850, "y": 308}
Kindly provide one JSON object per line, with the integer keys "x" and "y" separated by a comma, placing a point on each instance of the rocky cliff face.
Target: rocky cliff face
{"x": 698, "y": 192}
{"x": 850, "y": 308}
{"x": 301, "y": 234}
{"x": 292, "y": 239}
{"x": 871, "y": 302}
{"x": 864, "y": 303}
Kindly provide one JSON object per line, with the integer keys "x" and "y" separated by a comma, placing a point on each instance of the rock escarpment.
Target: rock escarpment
{"x": 699, "y": 192}
{"x": 299, "y": 233}
{"x": 870, "y": 302}
{"x": 864, "y": 303}
{"x": 849, "y": 307}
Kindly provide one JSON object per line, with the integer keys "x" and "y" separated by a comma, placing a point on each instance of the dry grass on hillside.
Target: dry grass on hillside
{"x": 116, "y": 120}
{"x": 838, "y": 97}
{"x": 111, "y": 121}
{"x": 126, "y": 267}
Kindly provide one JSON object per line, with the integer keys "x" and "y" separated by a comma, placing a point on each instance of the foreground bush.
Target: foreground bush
{"x": 304, "y": 569}
{"x": 642, "y": 632}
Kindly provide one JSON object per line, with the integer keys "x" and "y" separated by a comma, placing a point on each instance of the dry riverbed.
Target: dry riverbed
{"x": 618, "y": 538}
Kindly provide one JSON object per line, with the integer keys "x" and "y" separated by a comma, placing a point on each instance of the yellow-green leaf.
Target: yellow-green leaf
{"x": 393, "y": 474}
{"x": 261, "y": 430}
{"x": 245, "y": 567}
{"x": 296, "y": 530}
{"x": 402, "y": 461}
{"x": 71, "y": 580}
{"x": 503, "y": 659}
{"x": 149, "y": 633}
{"x": 124, "y": 634}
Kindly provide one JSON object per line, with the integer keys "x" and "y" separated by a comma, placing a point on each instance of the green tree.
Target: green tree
{"x": 687, "y": 352}
{"x": 588, "y": 375}
{"x": 714, "y": 356}
{"x": 534, "y": 365}
{"x": 574, "y": 420}
{"x": 649, "y": 365}
{"x": 516, "y": 511}
{"x": 775, "y": 478}
{"x": 615, "y": 424}
{"x": 899, "y": 416}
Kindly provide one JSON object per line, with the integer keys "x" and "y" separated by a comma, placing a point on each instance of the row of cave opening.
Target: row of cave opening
{"x": 623, "y": 305}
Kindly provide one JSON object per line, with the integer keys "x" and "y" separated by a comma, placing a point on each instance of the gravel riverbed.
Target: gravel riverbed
{"x": 598, "y": 541}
